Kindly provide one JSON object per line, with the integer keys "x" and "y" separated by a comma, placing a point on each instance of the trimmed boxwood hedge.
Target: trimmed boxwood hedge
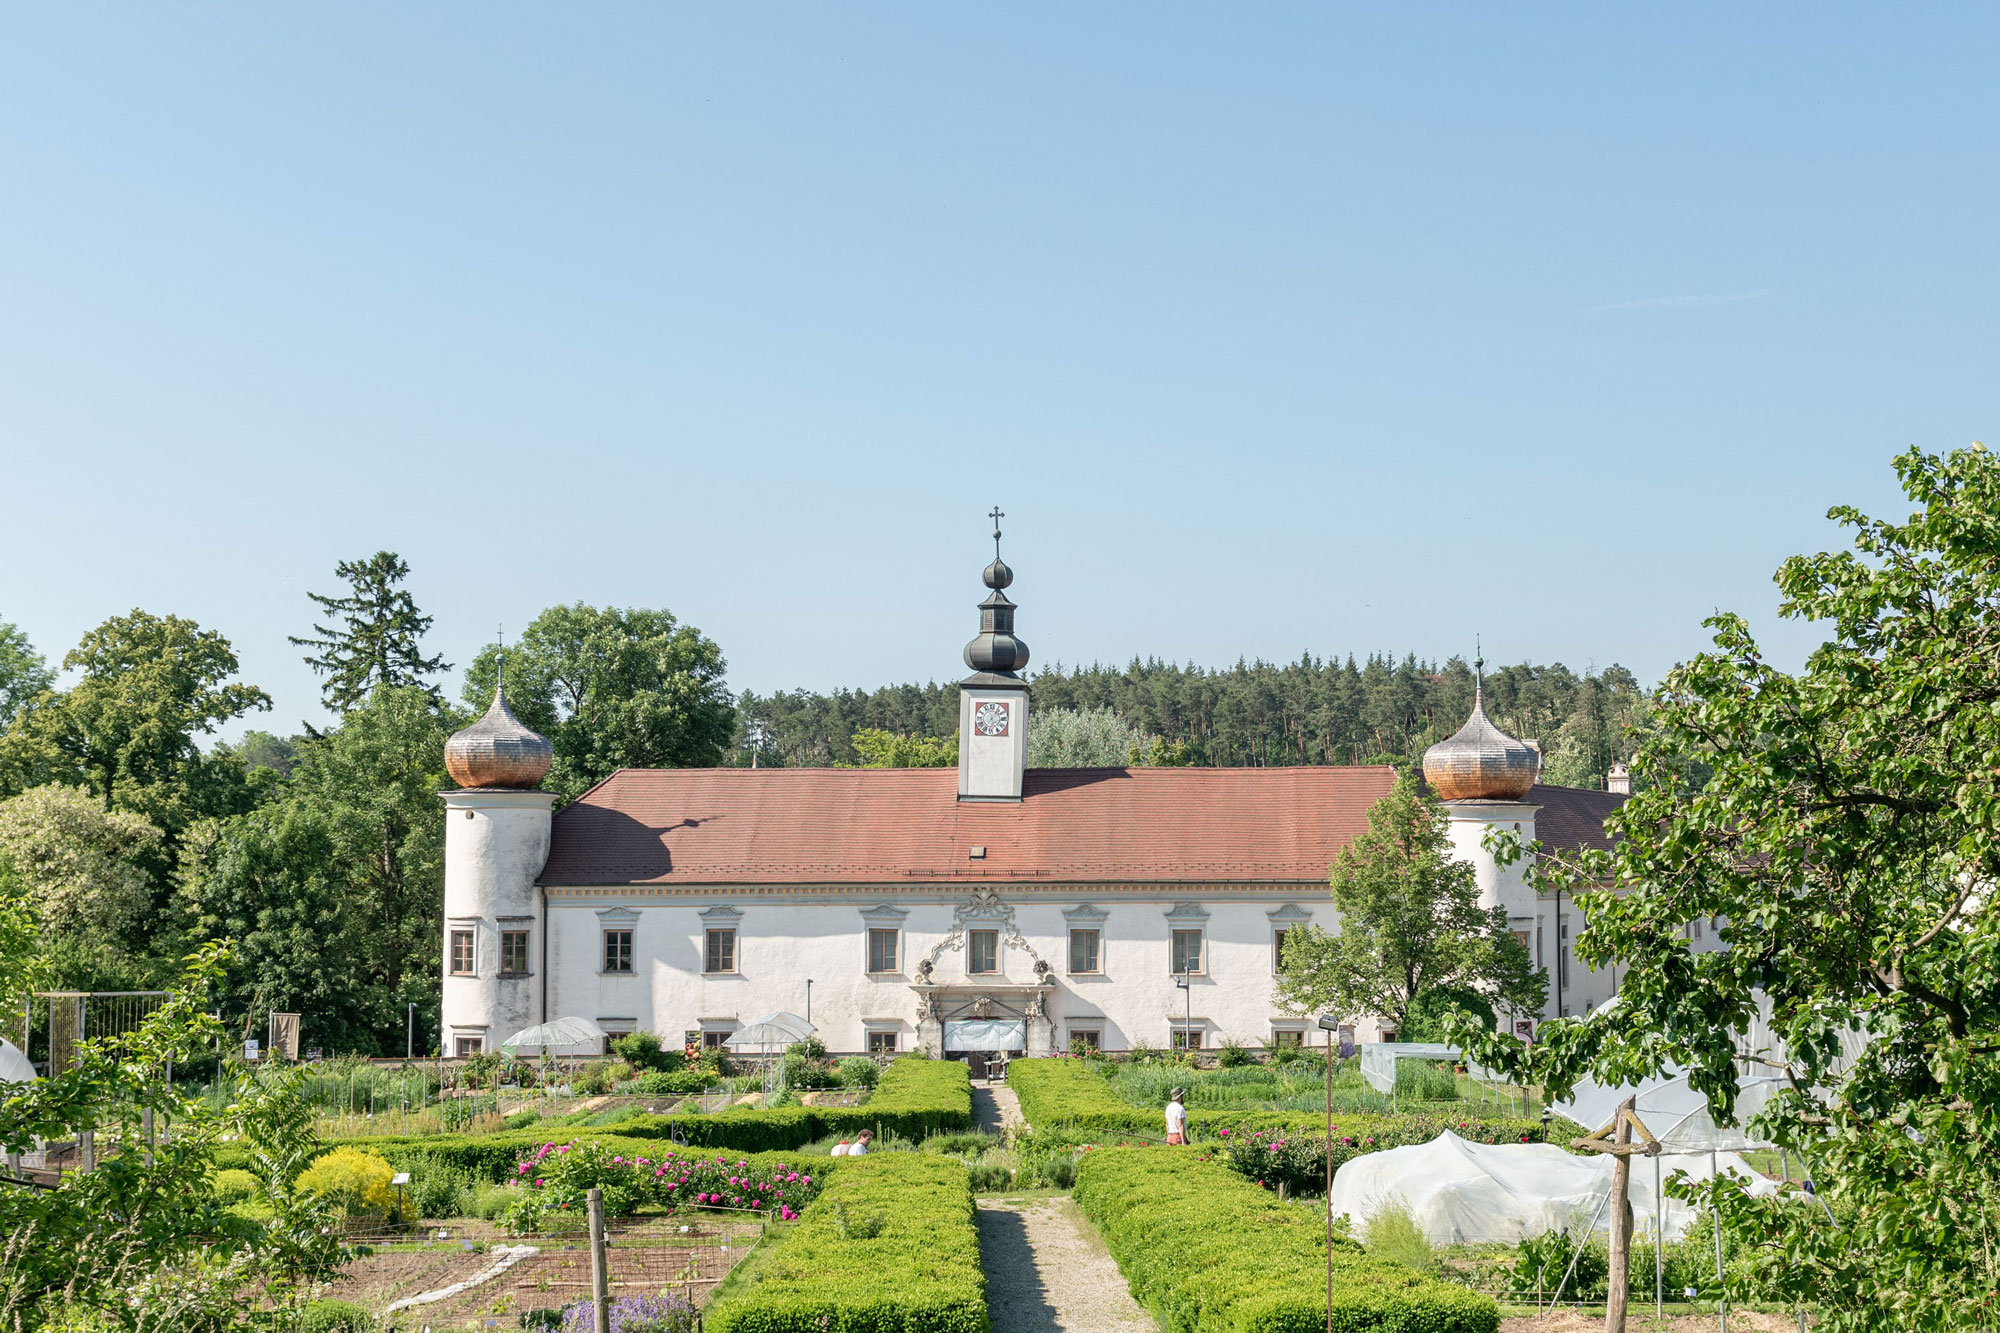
{"x": 1209, "y": 1252}
{"x": 492, "y": 1157}
{"x": 1062, "y": 1093}
{"x": 890, "y": 1246}
{"x": 916, "y": 1097}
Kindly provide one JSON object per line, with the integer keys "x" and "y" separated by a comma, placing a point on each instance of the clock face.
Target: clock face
{"x": 990, "y": 718}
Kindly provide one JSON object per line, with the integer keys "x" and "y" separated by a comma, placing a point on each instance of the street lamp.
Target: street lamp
{"x": 1187, "y": 1022}
{"x": 809, "y": 1001}
{"x": 1329, "y": 1025}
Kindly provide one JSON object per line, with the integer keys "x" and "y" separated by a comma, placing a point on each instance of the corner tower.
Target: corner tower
{"x": 496, "y": 840}
{"x": 993, "y": 700}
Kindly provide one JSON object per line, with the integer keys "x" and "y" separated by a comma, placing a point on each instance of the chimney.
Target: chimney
{"x": 1619, "y": 780}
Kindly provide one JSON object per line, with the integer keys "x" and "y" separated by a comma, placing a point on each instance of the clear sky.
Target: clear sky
{"x": 1272, "y": 328}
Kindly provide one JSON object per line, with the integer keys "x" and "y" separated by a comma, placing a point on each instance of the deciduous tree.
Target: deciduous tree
{"x": 79, "y": 865}
{"x": 613, "y": 689}
{"x": 1844, "y": 825}
{"x": 1410, "y": 922}
{"x": 1083, "y": 738}
{"x": 24, "y": 673}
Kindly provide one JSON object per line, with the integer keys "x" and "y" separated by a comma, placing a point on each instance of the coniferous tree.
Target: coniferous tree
{"x": 378, "y": 635}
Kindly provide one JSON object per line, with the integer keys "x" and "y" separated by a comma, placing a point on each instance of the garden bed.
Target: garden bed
{"x": 1061, "y": 1093}
{"x": 1207, "y": 1251}
{"x": 890, "y": 1246}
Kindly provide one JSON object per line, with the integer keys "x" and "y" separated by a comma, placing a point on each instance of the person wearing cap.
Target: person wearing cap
{"x": 1177, "y": 1117}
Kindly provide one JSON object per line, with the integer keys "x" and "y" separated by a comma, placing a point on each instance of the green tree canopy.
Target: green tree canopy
{"x": 333, "y": 891}
{"x": 79, "y": 865}
{"x": 1410, "y": 922}
{"x": 378, "y": 637}
{"x": 149, "y": 686}
{"x": 1847, "y": 835}
{"x": 1083, "y": 738}
{"x": 24, "y": 673}
{"x": 613, "y": 689}
{"x": 886, "y": 749}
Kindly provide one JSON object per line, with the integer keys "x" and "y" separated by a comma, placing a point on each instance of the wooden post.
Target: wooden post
{"x": 1621, "y": 1224}
{"x": 600, "y": 1278}
{"x": 1618, "y": 1139}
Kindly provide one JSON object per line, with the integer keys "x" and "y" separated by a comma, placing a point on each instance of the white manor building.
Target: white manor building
{"x": 997, "y": 908}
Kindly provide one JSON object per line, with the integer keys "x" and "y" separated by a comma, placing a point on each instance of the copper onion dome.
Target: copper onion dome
{"x": 995, "y": 649}
{"x": 497, "y": 751}
{"x": 1480, "y": 762}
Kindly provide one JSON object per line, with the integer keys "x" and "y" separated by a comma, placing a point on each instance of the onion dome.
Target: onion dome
{"x": 497, "y": 751}
{"x": 995, "y": 650}
{"x": 1480, "y": 762}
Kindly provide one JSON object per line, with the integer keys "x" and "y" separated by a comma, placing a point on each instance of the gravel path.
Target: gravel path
{"x": 1046, "y": 1272}
{"x": 996, "y": 1109}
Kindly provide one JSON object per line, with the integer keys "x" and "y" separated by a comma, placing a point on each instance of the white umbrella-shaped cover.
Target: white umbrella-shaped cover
{"x": 14, "y": 1066}
{"x": 779, "y": 1029}
{"x": 1460, "y": 1192}
{"x": 561, "y": 1034}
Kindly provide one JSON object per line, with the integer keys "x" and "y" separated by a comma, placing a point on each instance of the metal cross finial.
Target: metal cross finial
{"x": 1478, "y": 667}
{"x": 996, "y": 516}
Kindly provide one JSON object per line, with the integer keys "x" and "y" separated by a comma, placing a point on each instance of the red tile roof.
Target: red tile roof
{"x": 899, "y": 826}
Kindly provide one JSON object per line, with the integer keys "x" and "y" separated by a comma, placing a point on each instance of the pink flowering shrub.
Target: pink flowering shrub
{"x": 1297, "y": 1159}
{"x": 554, "y": 1179}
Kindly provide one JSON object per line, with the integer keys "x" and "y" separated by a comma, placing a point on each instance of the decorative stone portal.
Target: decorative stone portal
{"x": 986, "y": 1012}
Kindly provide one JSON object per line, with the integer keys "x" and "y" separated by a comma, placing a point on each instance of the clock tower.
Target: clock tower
{"x": 993, "y": 700}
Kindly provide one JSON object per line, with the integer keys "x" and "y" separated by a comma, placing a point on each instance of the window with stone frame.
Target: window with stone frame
{"x": 1083, "y": 951}
{"x": 882, "y": 948}
{"x": 1187, "y": 1039}
{"x": 464, "y": 1046}
{"x": 513, "y": 953}
{"x": 982, "y": 951}
{"x": 462, "y": 954}
{"x": 720, "y": 954}
{"x": 882, "y": 1042}
{"x": 1282, "y": 1037}
{"x": 1086, "y": 1039}
{"x": 1278, "y": 950}
{"x": 1186, "y": 960}
{"x": 618, "y": 951}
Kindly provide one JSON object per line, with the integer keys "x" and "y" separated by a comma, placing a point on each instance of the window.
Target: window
{"x": 721, "y": 955}
{"x": 1695, "y": 924}
{"x": 611, "y": 1035}
{"x": 618, "y": 951}
{"x": 464, "y": 1046}
{"x": 1187, "y": 1039}
{"x": 1187, "y": 952}
{"x": 882, "y": 952}
{"x": 882, "y": 1043}
{"x": 513, "y": 953}
{"x": 461, "y": 953}
{"x": 1083, "y": 952}
{"x": 1522, "y": 936}
{"x": 1086, "y": 1039}
{"x": 1278, "y": 950}
{"x": 712, "y": 1039}
{"x": 982, "y": 951}
{"x": 1287, "y": 1037}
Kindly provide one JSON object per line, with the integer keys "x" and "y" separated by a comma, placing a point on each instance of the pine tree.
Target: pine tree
{"x": 377, "y": 639}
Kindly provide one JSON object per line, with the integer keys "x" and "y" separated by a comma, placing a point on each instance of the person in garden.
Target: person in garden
{"x": 1176, "y": 1117}
{"x": 841, "y": 1149}
{"x": 861, "y": 1142}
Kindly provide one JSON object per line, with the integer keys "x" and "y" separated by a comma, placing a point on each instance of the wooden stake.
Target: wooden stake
{"x": 1621, "y": 1225}
{"x": 600, "y": 1284}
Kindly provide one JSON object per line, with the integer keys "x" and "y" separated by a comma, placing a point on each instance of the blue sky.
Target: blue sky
{"x": 1307, "y": 327}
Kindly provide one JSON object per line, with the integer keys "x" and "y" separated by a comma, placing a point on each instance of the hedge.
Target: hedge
{"x": 492, "y": 1157}
{"x": 916, "y": 1097}
{"x": 1062, "y": 1093}
{"x": 890, "y": 1246}
{"x": 1207, "y": 1251}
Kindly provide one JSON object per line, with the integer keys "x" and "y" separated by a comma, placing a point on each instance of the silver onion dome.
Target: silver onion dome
{"x": 498, "y": 751}
{"x": 995, "y": 649}
{"x": 1480, "y": 762}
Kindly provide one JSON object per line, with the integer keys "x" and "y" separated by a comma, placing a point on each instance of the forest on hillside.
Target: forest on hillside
{"x": 1252, "y": 714}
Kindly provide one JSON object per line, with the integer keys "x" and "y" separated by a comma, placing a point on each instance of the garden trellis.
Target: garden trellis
{"x": 62, "y": 1019}
{"x": 778, "y": 1030}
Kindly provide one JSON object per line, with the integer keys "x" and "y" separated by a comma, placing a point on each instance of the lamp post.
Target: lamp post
{"x": 1329, "y": 1025}
{"x": 809, "y": 1001}
{"x": 1187, "y": 1022}
{"x": 410, "y": 1050}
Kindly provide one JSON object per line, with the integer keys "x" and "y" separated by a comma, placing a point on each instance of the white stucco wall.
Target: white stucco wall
{"x": 782, "y": 942}
{"x": 992, "y": 766}
{"x": 495, "y": 843}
